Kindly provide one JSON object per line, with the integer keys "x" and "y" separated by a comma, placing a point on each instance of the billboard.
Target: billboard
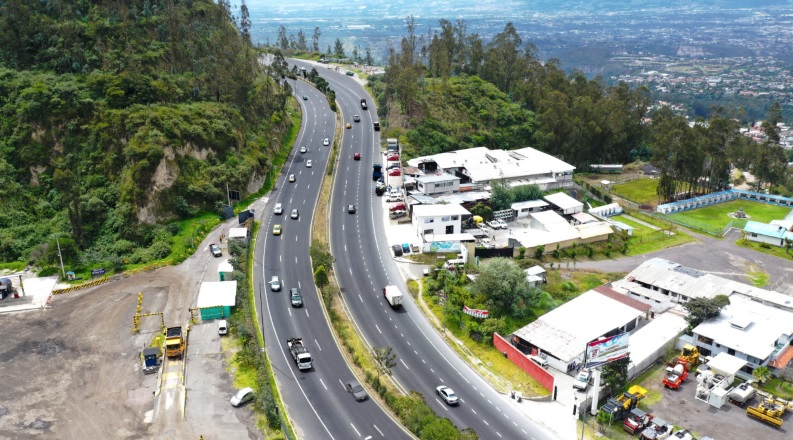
{"x": 606, "y": 350}
{"x": 476, "y": 313}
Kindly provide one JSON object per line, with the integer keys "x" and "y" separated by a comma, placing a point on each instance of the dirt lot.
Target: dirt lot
{"x": 73, "y": 372}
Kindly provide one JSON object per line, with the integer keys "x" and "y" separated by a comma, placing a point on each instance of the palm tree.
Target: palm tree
{"x": 761, "y": 374}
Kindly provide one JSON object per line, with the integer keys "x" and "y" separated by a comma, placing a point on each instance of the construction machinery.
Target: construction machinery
{"x": 658, "y": 429}
{"x": 690, "y": 355}
{"x": 299, "y": 353}
{"x": 683, "y": 434}
{"x": 676, "y": 373}
{"x": 636, "y": 421}
{"x": 174, "y": 342}
{"x": 741, "y": 394}
{"x": 770, "y": 410}
{"x": 620, "y": 406}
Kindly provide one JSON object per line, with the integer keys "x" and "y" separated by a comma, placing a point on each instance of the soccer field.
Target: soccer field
{"x": 716, "y": 216}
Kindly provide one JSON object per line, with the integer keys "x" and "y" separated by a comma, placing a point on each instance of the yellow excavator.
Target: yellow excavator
{"x": 689, "y": 355}
{"x": 770, "y": 410}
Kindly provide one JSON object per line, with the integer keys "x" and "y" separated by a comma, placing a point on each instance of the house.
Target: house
{"x": 748, "y": 330}
{"x": 482, "y": 166}
{"x": 535, "y": 275}
{"x": 560, "y": 336}
{"x": 774, "y": 233}
{"x": 564, "y": 204}
{"x": 216, "y": 298}
{"x": 549, "y": 229}
{"x": 438, "y": 219}
{"x": 583, "y": 218}
{"x": 523, "y": 209}
{"x": 437, "y": 184}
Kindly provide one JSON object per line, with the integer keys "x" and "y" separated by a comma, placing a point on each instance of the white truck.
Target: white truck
{"x": 393, "y": 295}
{"x": 299, "y": 353}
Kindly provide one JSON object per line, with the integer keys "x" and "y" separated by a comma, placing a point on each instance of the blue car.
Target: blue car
{"x": 405, "y": 248}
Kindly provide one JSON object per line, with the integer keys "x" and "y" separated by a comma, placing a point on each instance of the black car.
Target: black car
{"x": 397, "y": 250}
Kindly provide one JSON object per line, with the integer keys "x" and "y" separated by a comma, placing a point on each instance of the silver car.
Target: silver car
{"x": 357, "y": 391}
{"x": 243, "y": 396}
{"x": 447, "y": 395}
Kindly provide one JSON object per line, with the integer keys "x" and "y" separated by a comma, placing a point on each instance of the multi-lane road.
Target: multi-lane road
{"x": 316, "y": 400}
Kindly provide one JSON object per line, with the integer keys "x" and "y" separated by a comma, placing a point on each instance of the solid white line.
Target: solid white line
{"x": 403, "y": 363}
{"x": 441, "y": 404}
{"x": 323, "y": 384}
{"x": 318, "y": 346}
{"x": 378, "y": 430}
{"x": 359, "y": 296}
{"x": 356, "y": 431}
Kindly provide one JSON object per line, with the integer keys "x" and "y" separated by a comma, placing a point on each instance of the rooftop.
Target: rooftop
{"x": 565, "y": 330}
{"x": 769, "y": 230}
{"x": 517, "y": 206}
{"x": 217, "y": 293}
{"x": 439, "y": 210}
{"x": 563, "y": 201}
{"x": 443, "y": 177}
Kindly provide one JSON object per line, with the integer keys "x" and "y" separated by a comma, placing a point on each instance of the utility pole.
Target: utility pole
{"x": 60, "y": 257}
{"x": 228, "y": 195}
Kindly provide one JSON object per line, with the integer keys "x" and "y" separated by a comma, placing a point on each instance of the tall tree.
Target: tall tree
{"x": 283, "y": 40}
{"x": 245, "y": 23}
{"x": 301, "y": 40}
{"x": 339, "y": 48}
{"x": 315, "y": 39}
{"x": 502, "y": 285}
{"x": 368, "y": 59}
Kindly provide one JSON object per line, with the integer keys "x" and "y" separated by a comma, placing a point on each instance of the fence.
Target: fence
{"x": 701, "y": 226}
{"x": 494, "y": 253}
{"x": 542, "y": 376}
{"x": 82, "y": 286}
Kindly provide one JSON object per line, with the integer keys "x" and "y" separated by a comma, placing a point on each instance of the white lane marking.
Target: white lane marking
{"x": 318, "y": 346}
{"x": 298, "y": 284}
{"x": 378, "y": 329}
{"x": 473, "y": 410}
{"x": 356, "y": 431}
{"x": 280, "y": 258}
{"x": 290, "y": 312}
{"x": 499, "y": 409}
{"x": 403, "y": 363}
{"x": 323, "y": 384}
{"x": 307, "y": 313}
{"x": 488, "y": 424}
{"x": 499, "y": 434}
{"x": 359, "y": 296}
{"x": 439, "y": 403}
{"x": 378, "y": 430}
{"x": 513, "y": 422}
{"x": 423, "y": 361}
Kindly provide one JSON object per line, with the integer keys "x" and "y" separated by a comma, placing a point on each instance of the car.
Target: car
{"x": 394, "y": 198}
{"x": 393, "y": 165}
{"x": 297, "y": 300}
{"x": 349, "y": 73}
{"x": 305, "y": 98}
{"x": 582, "y": 380}
{"x": 539, "y": 361}
{"x": 351, "y": 209}
{"x": 325, "y": 142}
{"x": 399, "y": 213}
{"x": 357, "y": 391}
{"x": 348, "y": 125}
{"x": 215, "y": 250}
{"x": 279, "y": 209}
{"x": 291, "y": 177}
{"x": 356, "y": 118}
{"x": 308, "y": 164}
{"x": 303, "y": 149}
{"x": 494, "y": 224}
{"x": 415, "y": 247}
{"x": 295, "y": 214}
{"x": 395, "y": 172}
{"x": 243, "y": 396}
{"x": 392, "y": 157}
{"x": 405, "y": 248}
{"x": 223, "y": 327}
{"x": 447, "y": 395}
{"x": 275, "y": 284}
{"x": 502, "y": 223}
{"x": 356, "y": 156}
{"x": 276, "y": 229}
{"x": 397, "y": 207}
{"x": 397, "y": 250}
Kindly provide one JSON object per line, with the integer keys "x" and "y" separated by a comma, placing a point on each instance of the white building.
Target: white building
{"x": 774, "y": 233}
{"x": 434, "y": 184}
{"x": 438, "y": 219}
{"x": 747, "y": 330}
{"x": 482, "y": 166}
{"x": 564, "y": 203}
{"x": 523, "y": 209}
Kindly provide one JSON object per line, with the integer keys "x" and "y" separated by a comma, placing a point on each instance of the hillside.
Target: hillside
{"x": 117, "y": 116}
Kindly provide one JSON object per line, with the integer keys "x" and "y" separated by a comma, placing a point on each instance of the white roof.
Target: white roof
{"x": 439, "y": 210}
{"x": 563, "y": 201}
{"x": 449, "y": 237}
{"x": 583, "y": 217}
{"x": 550, "y": 219}
{"x": 762, "y": 326}
{"x": 517, "y": 206}
{"x": 217, "y": 293}
{"x": 726, "y": 364}
{"x": 443, "y": 177}
{"x": 225, "y": 266}
{"x": 645, "y": 342}
{"x": 534, "y": 270}
{"x": 565, "y": 330}
{"x": 238, "y": 233}
{"x": 589, "y": 230}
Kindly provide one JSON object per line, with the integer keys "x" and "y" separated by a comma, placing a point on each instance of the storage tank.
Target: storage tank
{"x": 742, "y": 393}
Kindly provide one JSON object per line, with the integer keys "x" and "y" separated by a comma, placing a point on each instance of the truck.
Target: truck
{"x": 690, "y": 354}
{"x": 376, "y": 125}
{"x": 741, "y": 394}
{"x": 676, "y": 373}
{"x": 377, "y": 171}
{"x": 658, "y": 429}
{"x": 769, "y": 410}
{"x": 393, "y": 295}
{"x": 619, "y": 407}
{"x": 174, "y": 342}
{"x": 300, "y": 353}
{"x": 392, "y": 144}
{"x": 363, "y": 103}
{"x": 636, "y": 421}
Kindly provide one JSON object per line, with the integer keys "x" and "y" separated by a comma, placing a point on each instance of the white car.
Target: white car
{"x": 223, "y": 327}
{"x": 502, "y": 223}
{"x": 308, "y": 164}
{"x": 275, "y": 284}
{"x": 279, "y": 209}
{"x": 394, "y": 198}
{"x": 326, "y": 142}
{"x": 244, "y": 395}
{"x": 303, "y": 149}
{"x": 447, "y": 394}
{"x": 295, "y": 214}
{"x": 582, "y": 380}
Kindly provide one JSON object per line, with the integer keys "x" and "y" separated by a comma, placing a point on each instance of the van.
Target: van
{"x": 223, "y": 327}
{"x": 539, "y": 361}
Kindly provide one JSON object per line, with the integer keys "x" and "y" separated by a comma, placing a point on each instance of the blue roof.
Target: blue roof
{"x": 758, "y": 228}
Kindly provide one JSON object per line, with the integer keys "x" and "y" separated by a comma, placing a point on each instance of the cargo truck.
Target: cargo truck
{"x": 377, "y": 171}
{"x": 174, "y": 342}
{"x": 393, "y": 295}
{"x": 300, "y": 353}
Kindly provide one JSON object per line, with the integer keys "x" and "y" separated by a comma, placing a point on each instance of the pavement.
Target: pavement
{"x": 36, "y": 295}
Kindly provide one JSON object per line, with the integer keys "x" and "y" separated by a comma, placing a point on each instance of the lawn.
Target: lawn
{"x": 778, "y": 388}
{"x": 773, "y": 250}
{"x": 645, "y": 239}
{"x": 716, "y": 217}
{"x": 642, "y": 191}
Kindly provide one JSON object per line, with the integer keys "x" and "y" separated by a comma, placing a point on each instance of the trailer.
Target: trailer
{"x": 741, "y": 394}
{"x": 393, "y": 295}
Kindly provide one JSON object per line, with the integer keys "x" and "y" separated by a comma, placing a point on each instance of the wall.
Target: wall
{"x": 542, "y": 376}
{"x": 774, "y": 241}
{"x": 438, "y": 226}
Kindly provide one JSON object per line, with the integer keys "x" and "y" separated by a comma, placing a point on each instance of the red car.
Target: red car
{"x": 393, "y": 157}
{"x": 356, "y": 156}
{"x": 398, "y": 207}
{"x": 395, "y": 172}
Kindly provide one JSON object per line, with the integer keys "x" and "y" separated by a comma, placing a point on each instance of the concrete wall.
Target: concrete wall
{"x": 542, "y": 376}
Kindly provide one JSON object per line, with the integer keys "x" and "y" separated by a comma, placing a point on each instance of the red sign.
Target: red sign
{"x": 476, "y": 313}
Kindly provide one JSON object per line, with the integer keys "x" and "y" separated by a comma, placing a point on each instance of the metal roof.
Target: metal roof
{"x": 439, "y": 209}
{"x": 216, "y": 294}
{"x": 563, "y": 201}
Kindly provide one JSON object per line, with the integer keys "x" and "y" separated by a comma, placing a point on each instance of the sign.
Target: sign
{"x": 441, "y": 246}
{"x": 95, "y": 272}
{"x": 476, "y": 313}
{"x": 607, "y": 350}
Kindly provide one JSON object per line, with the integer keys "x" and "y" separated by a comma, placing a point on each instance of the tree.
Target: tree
{"x": 761, "y": 373}
{"x": 503, "y": 286}
{"x": 482, "y": 210}
{"x": 321, "y": 277}
{"x": 502, "y": 196}
{"x": 315, "y": 39}
{"x": 701, "y": 309}
{"x": 245, "y": 23}
{"x": 368, "y": 60}
{"x": 385, "y": 360}
{"x": 615, "y": 374}
{"x": 283, "y": 40}
{"x": 527, "y": 192}
{"x": 301, "y": 40}
{"x": 439, "y": 429}
{"x": 339, "y": 48}
{"x": 539, "y": 251}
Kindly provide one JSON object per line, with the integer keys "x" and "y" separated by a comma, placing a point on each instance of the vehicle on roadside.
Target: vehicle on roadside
{"x": 325, "y": 142}
{"x": 292, "y": 178}
{"x": 539, "y": 361}
{"x": 279, "y": 209}
{"x": 447, "y": 395}
{"x": 397, "y": 207}
{"x": 296, "y": 298}
{"x": 399, "y": 213}
{"x": 393, "y": 156}
{"x": 223, "y": 327}
{"x": 502, "y": 224}
{"x": 394, "y": 198}
{"x": 349, "y": 73}
{"x": 395, "y": 172}
{"x": 397, "y": 250}
{"x": 405, "y": 248}
{"x": 357, "y": 391}
{"x": 581, "y": 381}
{"x": 295, "y": 214}
{"x": 215, "y": 250}
{"x": 276, "y": 229}
{"x": 242, "y": 397}
{"x": 275, "y": 283}
{"x": 394, "y": 165}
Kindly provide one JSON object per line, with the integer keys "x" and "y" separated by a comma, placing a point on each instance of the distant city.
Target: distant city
{"x": 732, "y": 53}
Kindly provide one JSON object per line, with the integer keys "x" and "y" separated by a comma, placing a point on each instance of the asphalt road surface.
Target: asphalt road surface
{"x": 316, "y": 399}
{"x": 364, "y": 266}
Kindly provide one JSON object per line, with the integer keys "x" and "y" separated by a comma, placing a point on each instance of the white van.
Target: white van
{"x": 539, "y": 361}
{"x": 223, "y": 327}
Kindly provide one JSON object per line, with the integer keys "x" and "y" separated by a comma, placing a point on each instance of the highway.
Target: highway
{"x": 316, "y": 399}
{"x": 364, "y": 266}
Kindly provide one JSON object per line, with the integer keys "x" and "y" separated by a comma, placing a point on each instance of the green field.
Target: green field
{"x": 642, "y": 191}
{"x": 715, "y": 216}
{"x": 646, "y": 240}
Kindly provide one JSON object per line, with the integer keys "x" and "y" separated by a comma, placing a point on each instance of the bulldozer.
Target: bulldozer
{"x": 620, "y": 406}
{"x": 770, "y": 410}
{"x": 689, "y": 355}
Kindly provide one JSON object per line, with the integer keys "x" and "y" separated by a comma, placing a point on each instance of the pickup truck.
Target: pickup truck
{"x": 299, "y": 353}
{"x": 393, "y": 295}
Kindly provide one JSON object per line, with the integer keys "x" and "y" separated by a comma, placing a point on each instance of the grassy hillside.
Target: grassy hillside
{"x": 118, "y": 116}
{"x": 464, "y": 112}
